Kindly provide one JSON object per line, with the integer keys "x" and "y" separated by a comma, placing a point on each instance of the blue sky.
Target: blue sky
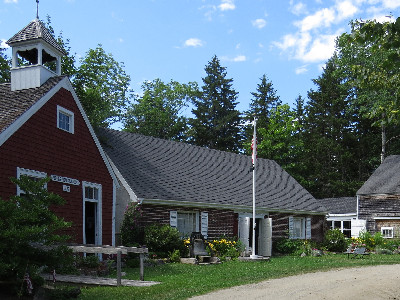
{"x": 288, "y": 40}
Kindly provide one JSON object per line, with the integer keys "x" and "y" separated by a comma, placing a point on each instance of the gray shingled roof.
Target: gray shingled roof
{"x": 342, "y": 205}
{"x": 14, "y": 104}
{"x": 385, "y": 179}
{"x": 35, "y": 30}
{"x": 166, "y": 170}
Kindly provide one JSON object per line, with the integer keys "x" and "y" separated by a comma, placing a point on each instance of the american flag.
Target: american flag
{"x": 29, "y": 285}
{"x": 254, "y": 145}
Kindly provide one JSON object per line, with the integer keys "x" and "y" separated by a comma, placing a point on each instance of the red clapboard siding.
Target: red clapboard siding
{"x": 39, "y": 145}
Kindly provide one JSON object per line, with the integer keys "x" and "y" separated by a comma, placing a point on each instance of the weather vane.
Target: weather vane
{"x": 37, "y": 9}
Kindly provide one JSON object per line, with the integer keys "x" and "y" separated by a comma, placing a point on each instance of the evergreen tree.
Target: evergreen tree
{"x": 263, "y": 104}
{"x": 328, "y": 137}
{"x": 216, "y": 122}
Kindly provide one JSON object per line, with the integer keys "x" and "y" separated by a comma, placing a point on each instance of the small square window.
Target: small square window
{"x": 65, "y": 119}
{"x": 387, "y": 232}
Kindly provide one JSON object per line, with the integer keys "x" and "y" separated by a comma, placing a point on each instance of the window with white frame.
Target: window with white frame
{"x": 387, "y": 232}
{"x": 343, "y": 225}
{"x": 32, "y": 174}
{"x": 297, "y": 227}
{"x": 188, "y": 222}
{"x": 65, "y": 119}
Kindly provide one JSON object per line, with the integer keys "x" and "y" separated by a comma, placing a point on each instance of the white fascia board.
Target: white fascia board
{"x": 132, "y": 196}
{"x": 235, "y": 208}
{"x": 341, "y": 215}
{"x": 386, "y": 218}
{"x": 17, "y": 124}
{"x": 66, "y": 83}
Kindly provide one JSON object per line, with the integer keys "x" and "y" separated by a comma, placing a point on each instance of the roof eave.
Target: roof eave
{"x": 236, "y": 208}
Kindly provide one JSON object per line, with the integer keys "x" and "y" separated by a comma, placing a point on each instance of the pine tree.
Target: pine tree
{"x": 216, "y": 122}
{"x": 329, "y": 139}
{"x": 263, "y": 104}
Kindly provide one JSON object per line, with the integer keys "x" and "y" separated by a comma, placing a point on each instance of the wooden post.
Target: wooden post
{"x": 119, "y": 268}
{"x": 141, "y": 258}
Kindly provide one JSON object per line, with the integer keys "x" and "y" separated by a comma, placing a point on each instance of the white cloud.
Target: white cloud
{"x": 227, "y": 5}
{"x": 238, "y": 58}
{"x": 3, "y": 44}
{"x": 321, "y": 49}
{"x": 346, "y": 9}
{"x": 209, "y": 11}
{"x": 259, "y": 23}
{"x": 323, "y": 17}
{"x": 193, "y": 42}
{"x": 391, "y": 4}
{"x": 298, "y": 8}
{"x": 10, "y": 1}
{"x": 301, "y": 70}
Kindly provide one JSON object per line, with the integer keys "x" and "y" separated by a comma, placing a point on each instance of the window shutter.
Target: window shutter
{"x": 204, "y": 224}
{"x": 173, "y": 218}
{"x": 308, "y": 228}
{"x": 291, "y": 233}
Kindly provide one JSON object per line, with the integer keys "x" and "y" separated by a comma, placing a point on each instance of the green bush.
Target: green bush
{"x": 132, "y": 233}
{"x": 25, "y": 223}
{"x": 163, "y": 239}
{"x": 287, "y": 246}
{"x": 335, "y": 241}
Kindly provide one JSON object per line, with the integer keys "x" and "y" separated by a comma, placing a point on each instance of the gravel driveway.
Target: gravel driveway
{"x": 376, "y": 282}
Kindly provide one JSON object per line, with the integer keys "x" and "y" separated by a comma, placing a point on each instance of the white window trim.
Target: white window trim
{"x": 99, "y": 224}
{"x": 303, "y": 227}
{"x": 174, "y": 215}
{"x": 29, "y": 173}
{"x": 68, "y": 113}
{"x": 387, "y": 228}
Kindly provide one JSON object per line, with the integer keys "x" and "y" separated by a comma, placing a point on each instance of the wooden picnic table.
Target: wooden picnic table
{"x": 119, "y": 250}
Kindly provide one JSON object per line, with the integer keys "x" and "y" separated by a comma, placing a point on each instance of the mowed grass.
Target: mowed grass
{"x": 180, "y": 281}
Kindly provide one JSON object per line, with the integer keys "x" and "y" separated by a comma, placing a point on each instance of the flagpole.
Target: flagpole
{"x": 254, "y": 158}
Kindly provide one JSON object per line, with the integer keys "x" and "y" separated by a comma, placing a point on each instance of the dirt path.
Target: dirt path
{"x": 376, "y": 282}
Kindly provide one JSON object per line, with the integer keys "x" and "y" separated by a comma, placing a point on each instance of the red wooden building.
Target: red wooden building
{"x": 44, "y": 132}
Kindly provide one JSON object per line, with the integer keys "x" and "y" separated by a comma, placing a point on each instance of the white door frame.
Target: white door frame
{"x": 98, "y": 216}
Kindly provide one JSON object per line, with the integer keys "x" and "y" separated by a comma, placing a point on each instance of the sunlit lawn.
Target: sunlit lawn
{"x": 180, "y": 281}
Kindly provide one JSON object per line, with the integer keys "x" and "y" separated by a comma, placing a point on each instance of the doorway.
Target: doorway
{"x": 90, "y": 222}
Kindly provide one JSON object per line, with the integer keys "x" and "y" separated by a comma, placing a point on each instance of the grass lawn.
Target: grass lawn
{"x": 179, "y": 281}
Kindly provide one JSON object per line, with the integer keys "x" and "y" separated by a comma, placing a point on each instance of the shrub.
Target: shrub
{"x": 163, "y": 239}
{"x": 175, "y": 256}
{"x": 132, "y": 233}
{"x": 26, "y": 221}
{"x": 335, "y": 241}
{"x": 287, "y": 246}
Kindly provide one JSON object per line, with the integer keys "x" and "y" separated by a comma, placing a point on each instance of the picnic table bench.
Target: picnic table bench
{"x": 105, "y": 249}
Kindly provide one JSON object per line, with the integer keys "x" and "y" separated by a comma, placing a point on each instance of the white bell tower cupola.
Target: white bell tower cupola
{"x": 36, "y": 56}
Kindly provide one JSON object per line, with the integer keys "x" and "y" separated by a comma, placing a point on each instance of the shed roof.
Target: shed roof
{"x": 35, "y": 30}
{"x": 341, "y": 205}
{"x": 385, "y": 179}
{"x": 165, "y": 170}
